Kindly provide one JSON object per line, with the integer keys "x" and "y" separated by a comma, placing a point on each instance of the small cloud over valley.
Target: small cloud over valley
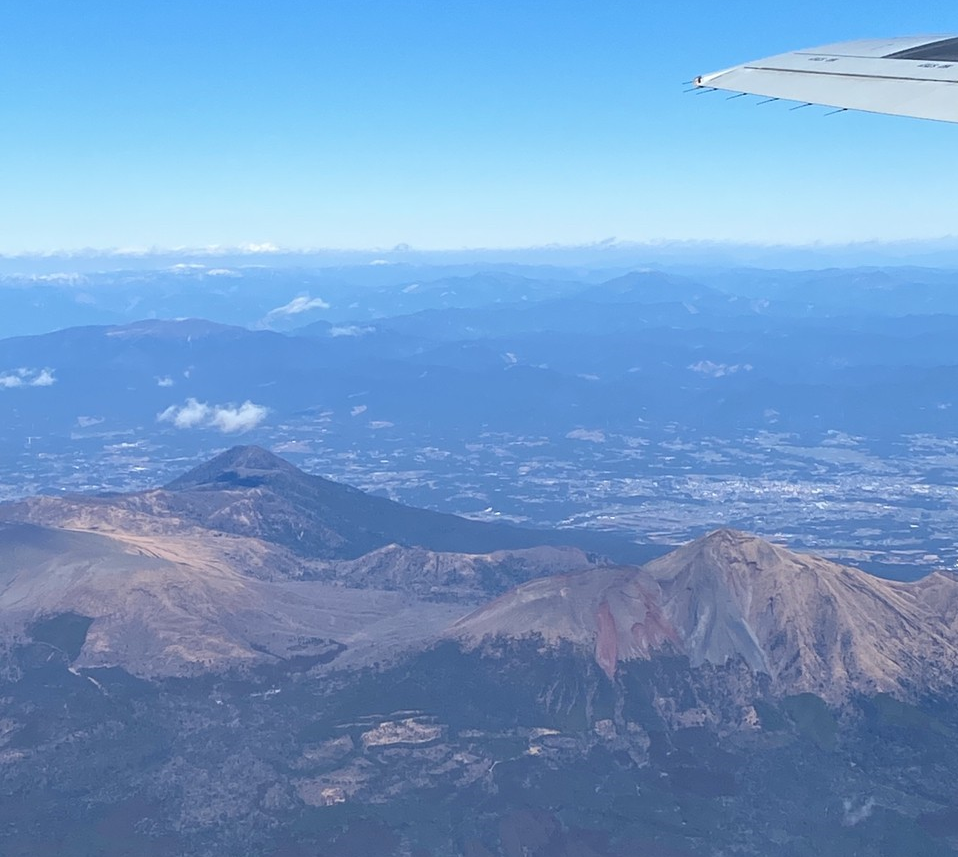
{"x": 22, "y": 377}
{"x": 228, "y": 419}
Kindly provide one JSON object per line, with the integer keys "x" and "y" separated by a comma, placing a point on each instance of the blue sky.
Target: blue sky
{"x": 443, "y": 124}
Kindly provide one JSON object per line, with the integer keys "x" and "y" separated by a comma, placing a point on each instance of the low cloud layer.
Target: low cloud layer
{"x": 27, "y": 378}
{"x": 304, "y": 303}
{"x": 229, "y": 419}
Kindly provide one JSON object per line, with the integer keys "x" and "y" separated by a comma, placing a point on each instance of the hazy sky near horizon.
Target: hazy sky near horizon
{"x": 443, "y": 124}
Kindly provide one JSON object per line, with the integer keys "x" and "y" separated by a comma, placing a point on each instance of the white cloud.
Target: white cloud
{"x": 718, "y": 370}
{"x": 190, "y": 415}
{"x": 359, "y": 409}
{"x": 72, "y": 278}
{"x": 350, "y": 330}
{"x": 590, "y": 435}
{"x": 229, "y": 419}
{"x": 27, "y": 378}
{"x": 265, "y": 247}
{"x": 855, "y": 815}
{"x": 166, "y": 381}
{"x": 303, "y": 303}
{"x": 44, "y": 379}
{"x": 247, "y": 416}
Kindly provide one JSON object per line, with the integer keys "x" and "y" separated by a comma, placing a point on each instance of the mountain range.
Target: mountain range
{"x": 255, "y": 660}
{"x": 240, "y": 560}
{"x": 248, "y": 560}
{"x": 494, "y": 352}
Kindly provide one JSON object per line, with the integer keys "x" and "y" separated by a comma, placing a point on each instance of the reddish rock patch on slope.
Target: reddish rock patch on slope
{"x": 606, "y": 639}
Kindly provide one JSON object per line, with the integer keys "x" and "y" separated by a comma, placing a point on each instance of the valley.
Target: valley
{"x": 654, "y": 404}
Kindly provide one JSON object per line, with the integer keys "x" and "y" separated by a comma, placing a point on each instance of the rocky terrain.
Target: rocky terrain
{"x": 154, "y": 615}
{"x": 214, "y": 571}
{"x": 246, "y": 560}
{"x": 183, "y": 675}
{"x": 808, "y": 624}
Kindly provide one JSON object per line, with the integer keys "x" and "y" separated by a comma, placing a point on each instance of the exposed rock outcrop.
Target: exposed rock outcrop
{"x": 810, "y": 624}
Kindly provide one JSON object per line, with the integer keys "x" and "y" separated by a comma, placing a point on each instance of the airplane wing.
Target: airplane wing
{"x": 914, "y": 76}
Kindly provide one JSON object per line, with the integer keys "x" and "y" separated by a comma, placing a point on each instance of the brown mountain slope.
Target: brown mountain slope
{"x": 811, "y": 625}
{"x": 257, "y": 514}
{"x": 450, "y": 575}
{"x": 247, "y": 561}
{"x": 155, "y": 613}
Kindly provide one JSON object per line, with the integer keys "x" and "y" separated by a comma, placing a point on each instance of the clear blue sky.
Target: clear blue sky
{"x": 443, "y": 124}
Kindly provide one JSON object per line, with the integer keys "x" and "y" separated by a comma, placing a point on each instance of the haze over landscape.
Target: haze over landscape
{"x": 428, "y": 432}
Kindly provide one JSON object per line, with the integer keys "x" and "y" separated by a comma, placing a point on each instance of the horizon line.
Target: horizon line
{"x": 268, "y": 249}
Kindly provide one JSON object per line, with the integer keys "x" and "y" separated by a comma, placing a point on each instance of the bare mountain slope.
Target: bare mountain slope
{"x": 155, "y": 616}
{"x": 450, "y": 575}
{"x": 811, "y": 625}
{"x": 235, "y": 564}
{"x": 257, "y": 514}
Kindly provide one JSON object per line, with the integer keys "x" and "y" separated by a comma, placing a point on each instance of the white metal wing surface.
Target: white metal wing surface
{"x": 914, "y": 76}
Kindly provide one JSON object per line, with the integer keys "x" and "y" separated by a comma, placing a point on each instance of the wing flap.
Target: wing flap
{"x": 856, "y": 76}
